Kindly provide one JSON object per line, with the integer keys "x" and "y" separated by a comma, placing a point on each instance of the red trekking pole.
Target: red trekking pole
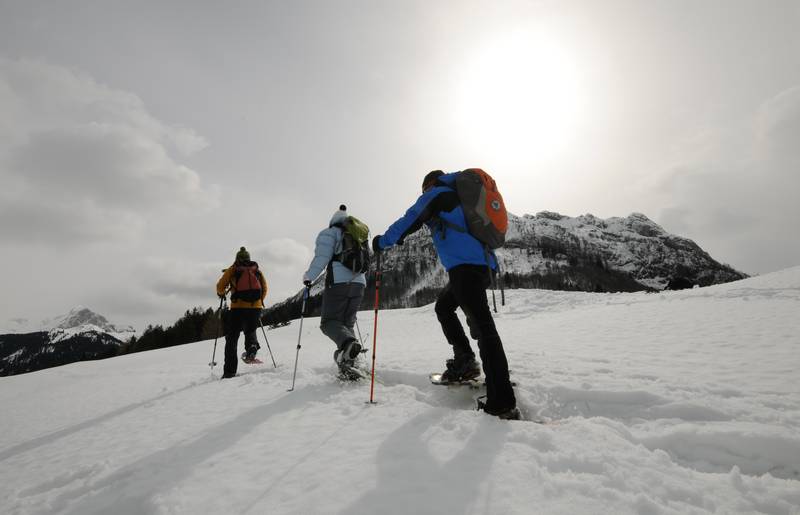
{"x": 375, "y": 328}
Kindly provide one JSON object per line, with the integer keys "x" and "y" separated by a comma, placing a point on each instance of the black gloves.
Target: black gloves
{"x": 307, "y": 284}
{"x": 376, "y": 243}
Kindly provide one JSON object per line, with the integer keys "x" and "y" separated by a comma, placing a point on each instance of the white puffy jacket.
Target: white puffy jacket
{"x": 329, "y": 243}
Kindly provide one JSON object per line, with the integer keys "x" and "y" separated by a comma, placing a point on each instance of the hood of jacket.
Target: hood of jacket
{"x": 338, "y": 218}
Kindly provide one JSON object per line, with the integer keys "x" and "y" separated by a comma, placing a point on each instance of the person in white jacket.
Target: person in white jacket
{"x": 343, "y": 292}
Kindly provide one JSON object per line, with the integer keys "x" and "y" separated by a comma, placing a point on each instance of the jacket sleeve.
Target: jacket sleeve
{"x": 224, "y": 281}
{"x": 323, "y": 253}
{"x": 427, "y": 206}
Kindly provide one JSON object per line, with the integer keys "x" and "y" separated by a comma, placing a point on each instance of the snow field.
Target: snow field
{"x": 677, "y": 402}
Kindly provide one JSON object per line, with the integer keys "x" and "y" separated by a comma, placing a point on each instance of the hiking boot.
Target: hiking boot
{"x": 503, "y": 414}
{"x": 249, "y": 355}
{"x": 227, "y": 376}
{"x": 463, "y": 369}
{"x": 348, "y": 353}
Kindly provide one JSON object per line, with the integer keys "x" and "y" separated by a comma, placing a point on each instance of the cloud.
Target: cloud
{"x": 93, "y": 161}
{"x": 195, "y": 282}
{"x": 741, "y": 198}
{"x": 113, "y": 166}
{"x": 282, "y": 254}
{"x": 778, "y": 128}
{"x": 189, "y": 281}
{"x": 283, "y": 261}
{"x": 63, "y": 222}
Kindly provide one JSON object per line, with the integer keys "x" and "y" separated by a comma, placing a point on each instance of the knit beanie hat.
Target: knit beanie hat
{"x": 242, "y": 255}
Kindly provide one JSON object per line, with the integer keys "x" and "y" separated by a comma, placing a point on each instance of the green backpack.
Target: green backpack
{"x": 355, "y": 245}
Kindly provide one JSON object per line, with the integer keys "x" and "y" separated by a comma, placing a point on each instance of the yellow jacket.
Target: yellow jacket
{"x": 226, "y": 284}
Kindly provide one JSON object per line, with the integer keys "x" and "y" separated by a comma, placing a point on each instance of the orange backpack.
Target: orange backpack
{"x": 246, "y": 285}
{"x": 484, "y": 209}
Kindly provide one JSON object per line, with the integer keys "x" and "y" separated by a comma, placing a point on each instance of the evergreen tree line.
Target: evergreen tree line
{"x": 195, "y": 325}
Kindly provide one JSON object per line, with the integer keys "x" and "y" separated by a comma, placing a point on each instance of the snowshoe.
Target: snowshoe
{"x": 251, "y": 359}
{"x": 503, "y": 414}
{"x": 440, "y": 379}
{"x": 461, "y": 369}
{"x": 350, "y": 373}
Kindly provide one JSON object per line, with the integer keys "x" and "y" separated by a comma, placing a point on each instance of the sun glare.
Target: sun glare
{"x": 520, "y": 98}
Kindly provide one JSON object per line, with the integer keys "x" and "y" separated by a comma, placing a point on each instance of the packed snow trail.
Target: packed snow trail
{"x": 674, "y": 402}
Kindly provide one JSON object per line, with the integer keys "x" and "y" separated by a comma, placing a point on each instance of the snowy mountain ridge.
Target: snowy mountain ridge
{"x": 635, "y": 245}
{"x": 550, "y": 251}
{"x": 80, "y": 334}
{"x": 28, "y": 352}
{"x": 78, "y": 319}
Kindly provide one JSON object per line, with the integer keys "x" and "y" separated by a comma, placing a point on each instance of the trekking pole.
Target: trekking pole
{"x": 375, "y": 328}
{"x": 491, "y": 273}
{"x": 502, "y": 288}
{"x": 267, "y": 341}
{"x": 501, "y": 283}
{"x": 360, "y": 339}
{"x": 297, "y": 354}
{"x": 219, "y": 327}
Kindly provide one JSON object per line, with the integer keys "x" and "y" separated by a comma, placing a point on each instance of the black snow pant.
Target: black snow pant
{"x": 467, "y": 290}
{"x": 239, "y": 320}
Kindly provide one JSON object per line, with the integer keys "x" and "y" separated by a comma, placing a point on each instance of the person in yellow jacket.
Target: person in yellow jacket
{"x": 248, "y": 288}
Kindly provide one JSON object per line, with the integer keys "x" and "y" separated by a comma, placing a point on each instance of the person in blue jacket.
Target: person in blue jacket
{"x": 469, "y": 267}
{"x": 342, "y": 295}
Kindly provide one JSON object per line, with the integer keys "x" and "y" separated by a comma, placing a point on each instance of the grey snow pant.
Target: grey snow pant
{"x": 340, "y": 304}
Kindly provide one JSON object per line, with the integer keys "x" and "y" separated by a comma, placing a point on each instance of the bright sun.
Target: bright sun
{"x": 520, "y": 98}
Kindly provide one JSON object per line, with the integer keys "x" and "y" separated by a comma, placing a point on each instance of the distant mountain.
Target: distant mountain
{"x": 635, "y": 246}
{"x": 549, "y": 251}
{"x": 77, "y": 317}
{"x": 20, "y": 353}
{"x": 78, "y": 335}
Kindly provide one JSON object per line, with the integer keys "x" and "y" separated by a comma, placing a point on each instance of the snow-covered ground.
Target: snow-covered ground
{"x": 674, "y": 402}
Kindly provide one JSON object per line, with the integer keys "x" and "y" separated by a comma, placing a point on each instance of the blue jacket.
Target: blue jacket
{"x": 440, "y": 209}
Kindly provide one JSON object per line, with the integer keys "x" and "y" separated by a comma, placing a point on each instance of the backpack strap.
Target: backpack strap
{"x": 334, "y": 257}
{"x": 337, "y": 257}
{"x": 234, "y": 275}
{"x": 329, "y": 274}
{"x": 439, "y": 224}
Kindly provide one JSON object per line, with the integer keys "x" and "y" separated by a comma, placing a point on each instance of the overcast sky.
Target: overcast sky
{"x": 142, "y": 142}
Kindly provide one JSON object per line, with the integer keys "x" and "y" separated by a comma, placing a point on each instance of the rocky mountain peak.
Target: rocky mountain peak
{"x": 79, "y": 316}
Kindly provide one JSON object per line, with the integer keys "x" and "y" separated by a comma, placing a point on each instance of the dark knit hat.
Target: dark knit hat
{"x": 431, "y": 178}
{"x": 242, "y": 255}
